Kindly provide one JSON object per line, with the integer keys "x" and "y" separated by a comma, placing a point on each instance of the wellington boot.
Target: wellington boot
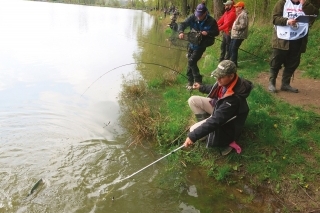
{"x": 272, "y": 80}
{"x": 201, "y": 117}
{"x": 288, "y": 88}
{"x": 286, "y": 84}
{"x": 272, "y": 87}
{"x": 226, "y": 151}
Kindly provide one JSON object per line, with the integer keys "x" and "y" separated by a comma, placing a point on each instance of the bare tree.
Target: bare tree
{"x": 184, "y": 7}
{"x": 218, "y": 8}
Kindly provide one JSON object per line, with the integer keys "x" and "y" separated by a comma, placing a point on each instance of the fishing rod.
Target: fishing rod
{"x": 158, "y": 45}
{"x": 180, "y": 147}
{"x": 239, "y": 49}
{"x": 171, "y": 39}
{"x": 150, "y": 63}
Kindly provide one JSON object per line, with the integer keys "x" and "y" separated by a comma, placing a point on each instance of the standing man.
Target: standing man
{"x": 289, "y": 39}
{"x": 239, "y": 31}
{"x": 225, "y": 104}
{"x": 205, "y": 28}
{"x": 225, "y": 25}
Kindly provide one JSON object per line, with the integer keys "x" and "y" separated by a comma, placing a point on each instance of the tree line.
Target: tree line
{"x": 259, "y": 10}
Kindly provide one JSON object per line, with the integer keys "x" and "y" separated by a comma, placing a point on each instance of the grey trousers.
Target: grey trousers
{"x": 200, "y": 105}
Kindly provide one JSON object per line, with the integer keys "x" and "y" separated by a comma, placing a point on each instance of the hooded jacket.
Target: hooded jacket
{"x": 233, "y": 103}
{"x": 278, "y": 19}
{"x": 209, "y": 25}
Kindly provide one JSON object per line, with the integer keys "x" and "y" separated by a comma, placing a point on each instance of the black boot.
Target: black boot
{"x": 286, "y": 83}
{"x": 272, "y": 80}
{"x": 201, "y": 117}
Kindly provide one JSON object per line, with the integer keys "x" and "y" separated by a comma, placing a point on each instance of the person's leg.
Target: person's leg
{"x": 193, "y": 64}
{"x": 291, "y": 64}
{"x": 277, "y": 59}
{"x": 228, "y": 40}
{"x": 223, "y": 47}
{"x": 200, "y": 105}
{"x": 189, "y": 70}
{"x": 234, "y": 47}
{"x": 202, "y": 109}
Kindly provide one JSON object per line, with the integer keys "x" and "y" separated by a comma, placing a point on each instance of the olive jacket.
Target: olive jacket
{"x": 278, "y": 19}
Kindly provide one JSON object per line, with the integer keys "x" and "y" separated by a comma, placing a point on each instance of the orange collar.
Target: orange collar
{"x": 230, "y": 91}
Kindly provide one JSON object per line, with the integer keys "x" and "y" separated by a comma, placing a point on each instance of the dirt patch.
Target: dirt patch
{"x": 309, "y": 90}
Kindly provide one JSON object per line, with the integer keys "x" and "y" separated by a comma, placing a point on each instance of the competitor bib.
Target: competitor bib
{"x": 289, "y": 32}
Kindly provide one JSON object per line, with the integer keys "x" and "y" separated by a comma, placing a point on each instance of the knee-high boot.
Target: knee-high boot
{"x": 201, "y": 117}
{"x": 286, "y": 77}
{"x": 272, "y": 80}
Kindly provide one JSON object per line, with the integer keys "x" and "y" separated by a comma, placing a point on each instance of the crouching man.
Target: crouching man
{"x": 222, "y": 114}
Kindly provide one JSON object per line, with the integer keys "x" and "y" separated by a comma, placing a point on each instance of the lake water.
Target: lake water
{"x": 59, "y": 111}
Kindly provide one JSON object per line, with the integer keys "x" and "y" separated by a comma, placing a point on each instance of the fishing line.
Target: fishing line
{"x": 158, "y": 45}
{"x": 247, "y": 52}
{"x": 132, "y": 64}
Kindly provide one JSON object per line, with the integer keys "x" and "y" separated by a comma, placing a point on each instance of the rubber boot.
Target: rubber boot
{"x": 272, "y": 81}
{"x": 201, "y": 117}
{"x": 286, "y": 83}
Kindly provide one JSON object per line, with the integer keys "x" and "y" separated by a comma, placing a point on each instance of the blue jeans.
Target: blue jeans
{"x": 234, "y": 47}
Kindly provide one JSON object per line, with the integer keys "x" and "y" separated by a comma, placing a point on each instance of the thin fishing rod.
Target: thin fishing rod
{"x": 158, "y": 45}
{"x": 239, "y": 49}
{"x": 132, "y": 64}
{"x": 166, "y": 155}
{"x": 152, "y": 163}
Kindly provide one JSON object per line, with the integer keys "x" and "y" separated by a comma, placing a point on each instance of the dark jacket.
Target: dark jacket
{"x": 209, "y": 25}
{"x": 278, "y": 19}
{"x": 233, "y": 103}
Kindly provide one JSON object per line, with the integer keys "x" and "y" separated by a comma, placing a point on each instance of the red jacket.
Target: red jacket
{"x": 226, "y": 20}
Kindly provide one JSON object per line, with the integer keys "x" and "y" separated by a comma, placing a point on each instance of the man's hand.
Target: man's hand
{"x": 196, "y": 85}
{"x": 302, "y": 1}
{"x": 204, "y": 33}
{"x": 181, "y": 35}
{"x": 188, "y": 142}
{"x": 292, "y": 22}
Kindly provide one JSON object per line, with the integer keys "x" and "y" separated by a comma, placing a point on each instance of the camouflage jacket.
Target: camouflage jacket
{"x": 240, "y": 26}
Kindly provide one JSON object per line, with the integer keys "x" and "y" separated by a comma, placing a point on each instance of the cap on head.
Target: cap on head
{"x": 200, "y": 10}
{"x": 229, "y": 2}
{"x": 225, "y": 67}
{"x": 239, "y": 4}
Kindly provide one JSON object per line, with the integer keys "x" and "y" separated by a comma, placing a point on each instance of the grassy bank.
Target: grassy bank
{"x": 280, "y": 142}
